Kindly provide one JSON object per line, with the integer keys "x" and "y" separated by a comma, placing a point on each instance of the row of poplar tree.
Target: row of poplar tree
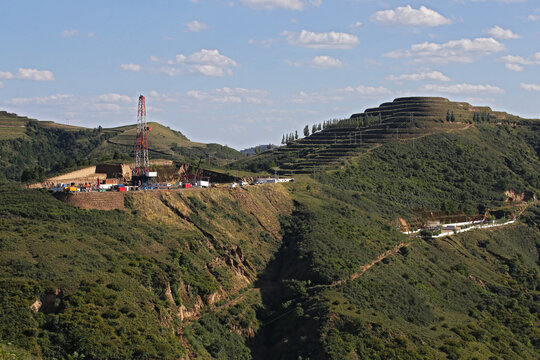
{"x": 289, "y": 138}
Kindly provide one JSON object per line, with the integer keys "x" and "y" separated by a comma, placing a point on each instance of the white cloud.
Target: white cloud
{"x": 274, "y": 4}
{"x": 207, "y": 57}
{"x": 106, "y": 107}
{"x": 516, "y": 63}
{"x": 533, "y": 17}
{"x": 211, "y": 70}
{"x": 204, "y": 62}
{"x": 34, "y": 74}
{"x": 461, "y": 51}
{"x": 514, "y": 59}
{"x": 356, "y": 25}
{"x": 196, "y": 26}
{"x": 530, "y": 87}
{"x": 90, "y": 35}
{"x": 503, "y": 1}
{"x": 325, "y": 62}
{"x": 42, "y": 100}
{"x": 311, "y": 98}
{"x": 427, "y": 75}
{"x": 408, "y": 16}
{"x": 369, "y": 91}
{"x": 6, "y": 75}
{"x": 228, "y": 95}
{"x": 338, "y": 95}
{"x": 1, "y": 84}
{"x": 463, "y": 89}
{"x": 265, "y": 43}
{"x": 171, "y": 71}
{"x": 499, "y": 33}
{"x": 131, "y": 67}
{"x": 116, "y": 98}
{"x": 328, "y": 40}
{"x": 70, "y": 33}
{"x": 319, "y": 62}
{"x": 514, "y": 67}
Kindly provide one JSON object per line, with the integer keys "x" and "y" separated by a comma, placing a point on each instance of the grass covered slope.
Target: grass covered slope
{"x": 39, "y": 148}
{"x": 314, "y": 269}
{"x": 448, "y": 172}
{"x": 163, "y": 142}
{"x": 403, "y": 119}
{"x": 116, "y": 285}
{"x": 347, "y": 285}
{"x": 31, "y": 149}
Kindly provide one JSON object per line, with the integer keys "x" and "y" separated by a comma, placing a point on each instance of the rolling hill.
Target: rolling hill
{"x": 313, "y": 269}
{"x": 30, "y": 149}
{"x": 402, "y": 120}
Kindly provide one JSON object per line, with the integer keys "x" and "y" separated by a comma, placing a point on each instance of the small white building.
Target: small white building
{"x": 272, "y": 180}
{"x": 203, "y": 183}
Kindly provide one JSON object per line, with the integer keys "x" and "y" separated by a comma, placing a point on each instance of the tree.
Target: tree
{"x": 452, "y": 117}
{"x": 448, "y": 115}
{"x": 283, "y": 140}
{"x": 319, "y": 127}
{"x": 314, "y": 129}
{"x": 306, "y": 131}
{"x": 295, "y": 135}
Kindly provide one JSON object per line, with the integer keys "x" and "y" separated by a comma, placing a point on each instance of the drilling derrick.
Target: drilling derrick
{"x": 142, "y": 165}
{"x": 142, "y": 173}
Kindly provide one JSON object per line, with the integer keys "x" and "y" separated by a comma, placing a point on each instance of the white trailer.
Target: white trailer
{"x": 203, "y": 183}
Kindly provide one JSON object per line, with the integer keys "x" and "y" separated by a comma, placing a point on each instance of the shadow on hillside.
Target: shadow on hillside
{"x": 287, "y": 331}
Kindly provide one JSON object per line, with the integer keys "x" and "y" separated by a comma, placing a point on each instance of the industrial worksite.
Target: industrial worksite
{"x": 142, "y": 174}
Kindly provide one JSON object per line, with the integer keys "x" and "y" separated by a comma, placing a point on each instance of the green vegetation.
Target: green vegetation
{"x": 114, "y": 291}
{"x": 163, "y": 142}
{"x": 447, "y": 172}
{"x": 402, "y": 119}
{"x": 314, "y": 269}
{"x": 31, "y": 150}
{"x": 48, "y": 149}
{"x": 473, "y": 295}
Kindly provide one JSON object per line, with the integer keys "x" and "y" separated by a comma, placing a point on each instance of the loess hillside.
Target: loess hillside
{"x": 402, "y": 120}
{"x": 31, "y": 150}
{"x": 118, "y": 285}
{"x": 313, "y": 269}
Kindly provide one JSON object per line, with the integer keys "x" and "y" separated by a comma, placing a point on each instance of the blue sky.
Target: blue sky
{"x": 244, "y": 72}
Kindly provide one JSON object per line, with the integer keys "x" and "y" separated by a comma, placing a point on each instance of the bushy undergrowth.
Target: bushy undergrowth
{"x": 445, "y": 172}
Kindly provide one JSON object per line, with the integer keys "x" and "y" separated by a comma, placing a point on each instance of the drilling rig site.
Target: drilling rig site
{"x": 103, "y": 186}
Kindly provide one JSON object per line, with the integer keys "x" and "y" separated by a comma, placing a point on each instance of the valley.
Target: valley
{"x": 330, "y": 266}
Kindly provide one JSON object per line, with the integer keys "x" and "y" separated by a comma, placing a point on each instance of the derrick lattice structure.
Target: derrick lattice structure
{"x": 141, "y": 146}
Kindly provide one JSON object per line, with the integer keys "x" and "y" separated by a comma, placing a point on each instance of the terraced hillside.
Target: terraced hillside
{"x": 404, "y": 119}
{"x": 311, "y": 269}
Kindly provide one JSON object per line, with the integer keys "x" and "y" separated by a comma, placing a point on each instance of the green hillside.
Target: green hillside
{"x": 312, "y": 269}
{"x": 13, "y": 126}
{"x": 32, "y": 149}
{"x": 163, "y": 142}
{"x": 120, "y": 290}
{"x": 401, "y": 120}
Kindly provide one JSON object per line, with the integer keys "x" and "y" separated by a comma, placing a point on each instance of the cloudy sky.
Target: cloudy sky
{"x": 243, "y": 72}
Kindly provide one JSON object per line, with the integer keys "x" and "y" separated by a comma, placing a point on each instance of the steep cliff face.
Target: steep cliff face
{"x": 133, "y": 281}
